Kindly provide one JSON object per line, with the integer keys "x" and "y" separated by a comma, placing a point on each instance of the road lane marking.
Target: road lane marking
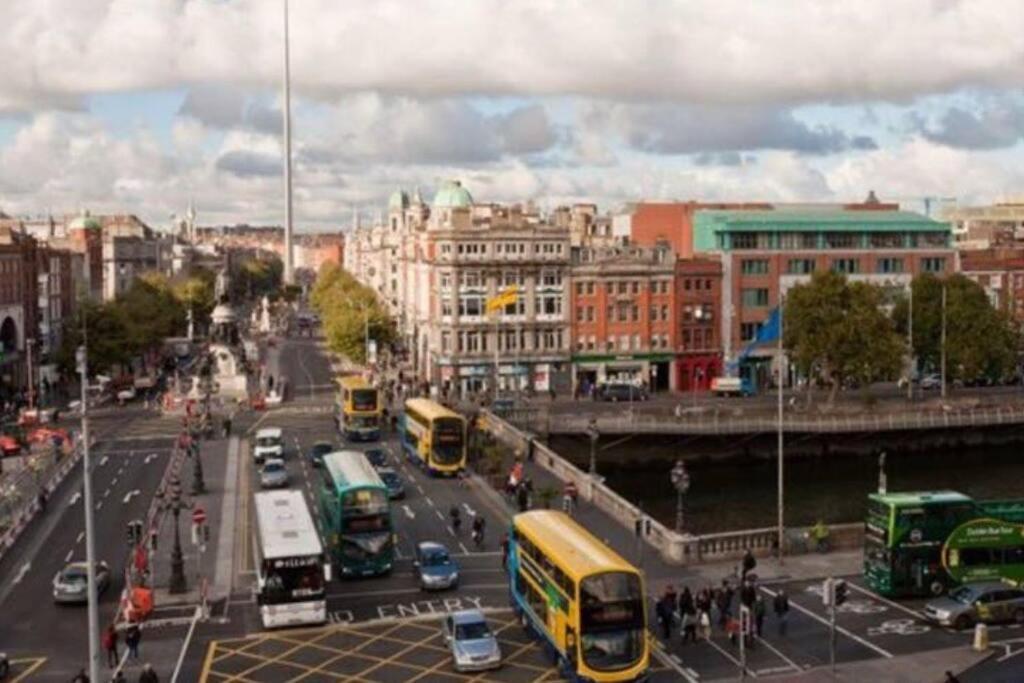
{"x": 464, "y": 548}
{"x": 408, "y": 512}
{"x": 67, "y": 558}
{"x": 791, "y": 664}
{"x": 113, "y": 482}
{"x": 104, "y": 460}
{"x": 430, "y": 502}
{"x": 81, "y": 535}
{"x": 150, "y": 458}
{"x": 439, "y": 515}
{"x": 99, "y": 505}
{"x": 415, "y": 591}
{"x": 21, "y": 573}
{"x": 131, "y": 494}
{"x": 673, "y": 662}
{"x": 75, "y": 498}
{"x": 912, "y": 612}
{"x": 849, "y": 634}
{"x": 469, "y": 510}
{"x": 106, "y": 493}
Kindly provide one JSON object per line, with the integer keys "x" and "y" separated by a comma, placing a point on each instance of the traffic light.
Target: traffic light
{"x": 134, "y": 529}
{"x": 840, "y": 592}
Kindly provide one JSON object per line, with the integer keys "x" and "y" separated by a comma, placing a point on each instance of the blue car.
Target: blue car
{"x": 318, "y": 451}
{"x": 435, "y": 568}
{"x": 378, "y": 457}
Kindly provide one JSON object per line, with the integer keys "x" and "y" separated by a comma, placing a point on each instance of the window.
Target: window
{"x": 754, "y": 266}
{"x": 590, "y": 314}
{"x": 446, "y": 342}
{"x": 846, "y": 265}
{"x": 634, "y": 313}
{"x": 471, "y": 278}
{"x": 840, "y": 240}
{"x": 590, "y": 288}
{"x": 754, "y": 297}
{"x": 623, "y": 342}
{"x": 609, "y": 344}
{"x": 886, "y": 240}
{"x": 551, "y": 278}
{"x": 686, "y": 337}
{"x": 622, "y": 287}
{"x": 654, "y": 313}
{"x": 446, "y": 307}
{"x": 446, "y": 280}
{"x": 579, "y": 289}
{"x": 744, "y": 240}
{"x": 933, "y": 264}
{"x": 580, "y": 314}
{"x": 446, "y": 248}
{"x": 932, "y": 239}
{"x": 636, "y": 342}
{"x": 471, "y": 305}
{"x": 748, "y": 331}
{"x": 636, "y": 286}
{"x": 664, "y": 312}
{"x": 889, "y": 265}
{"x": 609, "y": 287}
{"x": 686, "y": 284}
{"x": 548, "y": 304}
{"x": 798, "y": 240}
{"x": 800, "y": 266}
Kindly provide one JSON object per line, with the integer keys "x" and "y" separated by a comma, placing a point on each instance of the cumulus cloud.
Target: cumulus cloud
{"x": 689, "y": 51}
{"x": 993, "y": 125}
{"x": 246, "y": 164}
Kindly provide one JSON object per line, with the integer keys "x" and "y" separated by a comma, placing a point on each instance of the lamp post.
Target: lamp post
{"x": 29, "y": 343}
{"x": 681, "y": 483}
{"x": 174, "y": 503}
{"x": 594, "y": 436}
{"x": 81, "y": 358}
{"x": 198, "y": 484}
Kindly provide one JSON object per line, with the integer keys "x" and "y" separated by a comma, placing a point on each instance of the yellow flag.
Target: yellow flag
{"x": 507, "y": 296}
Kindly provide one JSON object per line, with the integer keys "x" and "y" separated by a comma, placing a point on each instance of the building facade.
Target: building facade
{"x": 1000, "y": 272}
{"x": 696, "y": 333}
{"x": 986, "y": 227}
{"x": 19, "y": 308}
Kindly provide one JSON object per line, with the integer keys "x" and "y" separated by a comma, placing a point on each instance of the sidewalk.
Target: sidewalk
{"x": 208, "y": 565}
{"x": 901, "y": 669}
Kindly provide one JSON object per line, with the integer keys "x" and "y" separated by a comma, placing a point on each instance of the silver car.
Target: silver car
{"x": 472, "y": 643}
{"x": 989, "y": 602}
{"x": 274, "y": 474}
{"x": 70, "y": 583}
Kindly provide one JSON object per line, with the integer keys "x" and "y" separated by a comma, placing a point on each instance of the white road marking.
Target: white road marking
{"x": 103, "y": 460}
{"x": 791, "y": 664}
{"x": 99, "y": 505}
{"x": 439, "y": 515}
{"x": 113, "y": 481}
{"x": 75, "y": 498}
{"x": 912, "y": 612}
{"x": 866, "y": 643}
{"x": 67, "y": 558}
{"x": 21, "y": 573}
{"x": 131, "y": 494}
{"x": 106, "y": 493}
{"x": 464, "y": 548}
{"x": 674, "y": 663}
{"x": 408, "y": 512}
{"x": 81, "y": 535}
{"x": 150, "y": 458}
{"x": 431, "y": 503}
{"x": 470, "y": 511}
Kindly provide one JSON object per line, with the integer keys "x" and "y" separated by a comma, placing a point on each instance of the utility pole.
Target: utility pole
{"x": 910, "y": 343}
{"x": 93, "y": 623}
{"x": 29, "y": 343}
{"x": 781, "y": 428}
{"x": 289, "y": 265}
{"x": 943, "y": 340}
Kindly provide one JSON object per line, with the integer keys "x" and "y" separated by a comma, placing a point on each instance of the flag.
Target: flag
{"x": 770, "y": 328}
{"x": 507, "y": 297}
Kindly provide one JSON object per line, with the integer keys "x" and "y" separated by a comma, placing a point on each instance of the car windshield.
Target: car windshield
{"x": 474, "y": 630}
{"x": 375, "y": 456}
{"x": 390, "y": 478}
{"x": 612, "y": 649}
{"x": 322, "y": 448}
{"x": 74, "y": 575}
{"x": 267, "y": 442}
{"x": 964, "y": 595}
{"x": 272, "y": 467}
{"x": 435, "y": 558}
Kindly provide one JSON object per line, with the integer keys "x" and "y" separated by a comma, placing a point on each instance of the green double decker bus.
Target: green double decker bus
{"x": 355, "y": 515}
{"x": 921, "y": 543}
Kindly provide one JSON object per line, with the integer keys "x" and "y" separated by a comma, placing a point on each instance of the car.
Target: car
{"x": 932, "y": 381}
{"x": 434, "y": 566}
{"x": 378, "y": 457}
{"x": 989, "y": 602}
{"x": 318, "y": 451}
{"x": 126, "y": 394}
{"x": 70, "y": 583}
{"x": 274, "y": 475}
{"x": 269, "y": 444}
{"x": 473, "y": 644}
{"x": 621, "y": 391}
{"x": 393, "y": 480}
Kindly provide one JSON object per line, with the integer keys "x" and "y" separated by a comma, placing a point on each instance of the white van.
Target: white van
{"x": 269, "y": 444}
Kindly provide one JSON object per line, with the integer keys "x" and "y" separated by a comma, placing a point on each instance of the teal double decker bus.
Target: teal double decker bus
{"x": 355, "y": 516}
{"x": 921, "y": 543}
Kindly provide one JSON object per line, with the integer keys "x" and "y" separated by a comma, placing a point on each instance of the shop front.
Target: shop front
{"x": 695, "y": 371}
{"x": 650, "y": 370}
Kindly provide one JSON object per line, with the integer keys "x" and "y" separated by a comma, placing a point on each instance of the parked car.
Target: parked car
{"x": 269, "y": 444}
{"x": 274, "y": 475}
{"x": 434, "y": 567}
{"x": 70, "y": 584}
{"x": 471, "y": 641}
{"x": 932, "y": 381}
{"x": 393, "y": 480}
{"x": 318, "y": 451}
{"x": 988, "y": 602}
{"x": 378, "y": 457}
{"x": 621, "y": 391}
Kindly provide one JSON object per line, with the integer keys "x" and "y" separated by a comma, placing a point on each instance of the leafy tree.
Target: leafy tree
{"x": 347, "y": 308}
{"x": 838, "y": 331}
{"x": 196, "y": 293}
{"x": 256, "y": 276}
{"x": 981, "y": 342}
{"x": 108, "y": 338}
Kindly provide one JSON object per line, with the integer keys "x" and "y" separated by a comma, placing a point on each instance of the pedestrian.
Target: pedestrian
{"x": 748, "y": 594}
{"x": 704, "y": 624}
{"x": 951, "y": 677}
{"x": 148, "y": 675}
{"x": 686, "y": 604}
{"x": 227, "y": 427}
{"x": 664, "y": 611}
{"x": 672, "y": 597}
{"x": 780, "y": 605}
{"x": 82, "y": 677}
{"x": 504, "y": 552}
{"x": 749, "y": 563}
{"x": 131, "y": 639}
{"x": 523, "y": 498}
{"x": 759, "y": 609}
{"x": 110, "y": 645}
{"x": 723, "y": 601}
{"x": 119, "y": 677}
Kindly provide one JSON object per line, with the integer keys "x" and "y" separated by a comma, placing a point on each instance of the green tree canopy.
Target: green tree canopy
{"x": 347, "y": 308}
{"x": 836, "y": 330}
{"x": 981, "y": 342}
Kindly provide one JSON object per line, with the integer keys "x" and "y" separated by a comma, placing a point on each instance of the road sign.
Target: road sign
{"x": 199, "y": 516}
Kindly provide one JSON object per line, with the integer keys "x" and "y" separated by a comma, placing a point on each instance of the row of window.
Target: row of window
{"x": 503, "y": 248}
{"x": 622, "y": 312}
{"x": 478, "y": 341}
{"x": 624, "y": 287}
{"x": 475, "y": 279}
{"x": 476, "y": 305}
{"x": 623, "y": 342}
{"x": 806, "y": 266}
{"x": 833, "y": 240}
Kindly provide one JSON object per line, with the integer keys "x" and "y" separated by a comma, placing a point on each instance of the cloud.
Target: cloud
{"x": 668, "y": 129}
{"x": 525, "y": 130}
{"x": 994, "y": 125}
{"x": 687, "y": 51}
{"x": 248, "y": 164}
{"x": 226, "y": 106}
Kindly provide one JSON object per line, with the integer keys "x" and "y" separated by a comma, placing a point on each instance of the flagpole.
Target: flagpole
{"x": 781, "y": 483}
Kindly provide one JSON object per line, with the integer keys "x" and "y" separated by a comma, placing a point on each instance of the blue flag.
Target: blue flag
{"x": 769, "y": 330}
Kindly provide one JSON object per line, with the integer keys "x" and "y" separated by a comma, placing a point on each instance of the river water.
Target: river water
{"x": 732, "y": 495}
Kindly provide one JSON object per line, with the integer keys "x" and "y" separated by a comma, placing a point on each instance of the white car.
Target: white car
{"x": 126, "y": 394}
{"x": 269, "y": 444}
{"x": 473, "y": 645}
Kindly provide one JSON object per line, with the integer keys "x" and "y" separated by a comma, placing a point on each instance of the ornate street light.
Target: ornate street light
{"x": 594, "y": 436}
{"x": 681, "y": 483}
{"x": 171, "y": 500}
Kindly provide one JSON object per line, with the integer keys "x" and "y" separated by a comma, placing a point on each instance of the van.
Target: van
{"x": 621, "y": 391}
{"x": 732, "y": 386}
{"x": 269, "y": 444}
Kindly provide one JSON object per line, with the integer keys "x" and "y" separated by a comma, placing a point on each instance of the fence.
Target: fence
{"x": 674, "y": 547}
{"x": 717, "y": 424}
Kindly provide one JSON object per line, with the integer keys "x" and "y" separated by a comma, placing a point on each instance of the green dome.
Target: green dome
{"x": 452, "y": 195}
{"x": 398, "y": 200}
{"x": 85, "y": 221}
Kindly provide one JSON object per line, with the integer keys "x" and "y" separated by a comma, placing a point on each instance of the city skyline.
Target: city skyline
{"x": 604, "y": 102}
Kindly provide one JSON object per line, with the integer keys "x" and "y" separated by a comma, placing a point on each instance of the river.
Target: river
{"x": 732, "y": 495}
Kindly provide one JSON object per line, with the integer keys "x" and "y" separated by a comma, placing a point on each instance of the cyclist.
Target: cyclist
{"x": 456, "y": 518}
{"x": 478, "y": 530}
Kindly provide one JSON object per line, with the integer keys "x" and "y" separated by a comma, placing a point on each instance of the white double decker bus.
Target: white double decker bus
{"x": 292, "y": 572}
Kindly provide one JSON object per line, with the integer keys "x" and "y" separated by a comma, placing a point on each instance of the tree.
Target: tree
{"x": 981, "y": 342}
{"x": 347, "y": 308}
{"x": 838, "y": 331}
{"x": 108, "y": 335}
{"x": 257, "y": 276}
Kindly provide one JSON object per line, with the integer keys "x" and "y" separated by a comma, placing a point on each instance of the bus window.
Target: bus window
{"x": 973, "y": 557}
{"x": 1014, "y": 555}
{"x": 364, "y": 399}
{"x": 611, "y": 620}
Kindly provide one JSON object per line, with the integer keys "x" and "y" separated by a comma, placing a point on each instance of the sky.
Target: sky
{"x": 142, "y": 106}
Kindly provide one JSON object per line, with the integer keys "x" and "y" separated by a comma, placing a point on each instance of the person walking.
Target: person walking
{"x": 759, "y": 609}
{"x": 523, "y": 497}
{"x": 110, "y": 645}
{"x": 82, "y": 677}
{"x": 688, "y": 615}
{"x": 780, "y": 606}
{"x": 748, "y": 594}
{"x": 749, "y": 564}
{"x": 723, "y": 601}
{"x": 504, "y": 553}
{"x": 686, "y": 602}
{"x": 132, "y": 637}
{"x": 148, "y": 675}
{"x": 664, "y": 611}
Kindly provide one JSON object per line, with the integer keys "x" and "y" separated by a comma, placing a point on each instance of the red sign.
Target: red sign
{"x": 198, "y": 516}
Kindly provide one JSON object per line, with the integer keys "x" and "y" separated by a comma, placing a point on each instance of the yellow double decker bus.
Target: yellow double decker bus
{"x": 433, "y": 436}
{"x": 580, "y": 596}
{"x": 359, "y": 409}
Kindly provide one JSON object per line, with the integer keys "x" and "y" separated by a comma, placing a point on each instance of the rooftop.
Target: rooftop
{"x": 814, "y": 219}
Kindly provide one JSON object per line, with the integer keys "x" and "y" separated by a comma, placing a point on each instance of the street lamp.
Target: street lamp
{"x": 198, "y": 484}
{"x": 681, "y": 483}
{"x": 594, "y": 436}
{"x": 174, "y": 504}
{"x": 82, "y": 361}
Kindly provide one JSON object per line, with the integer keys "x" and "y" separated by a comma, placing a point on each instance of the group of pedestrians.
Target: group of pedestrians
{"x": 109, "y": 640}
{"x": 698, "y": 614}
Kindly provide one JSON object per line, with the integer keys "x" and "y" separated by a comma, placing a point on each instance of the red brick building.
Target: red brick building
{"x": 696, "y": 336}
{"x": 1000, "y": 272}
{"x": 671, "y": 223}
{"x": 19, "y": 306}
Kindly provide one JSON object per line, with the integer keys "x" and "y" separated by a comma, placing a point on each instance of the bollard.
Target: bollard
{"x": 980, "y": 637}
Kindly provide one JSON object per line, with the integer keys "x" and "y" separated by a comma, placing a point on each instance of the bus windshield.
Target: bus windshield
{"x": 365, "y": 546}
{"x": 611, "y": 620}
{"x": 361, "y": 421}
{"x": 292, "y": 579}
{"x": 448, "y": 440}
{"x": 364, "y": 502}
{"x": 364, "y": 399}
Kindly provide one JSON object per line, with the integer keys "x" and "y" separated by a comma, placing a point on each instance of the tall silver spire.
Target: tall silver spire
{"x": 289, "y": 265}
